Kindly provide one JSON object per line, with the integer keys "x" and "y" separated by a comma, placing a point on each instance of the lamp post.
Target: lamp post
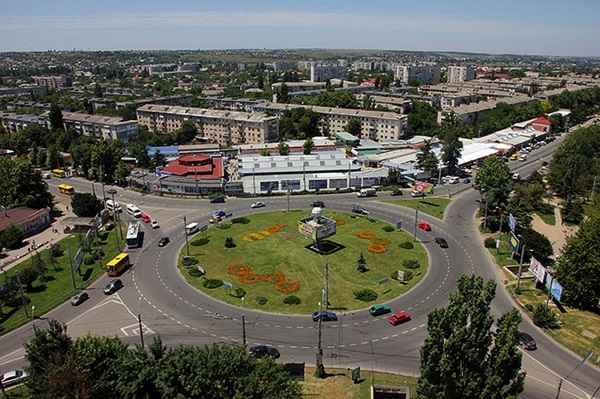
{"x": 416, "y": 221}
{"x": 521, "y": 264}
{"x": 112, "y": 192}
{"x": 187, "y": 246}
{"x": 499, "y": 231}
{"x": 319, "y": 348}
{"x": 485, "y": 213}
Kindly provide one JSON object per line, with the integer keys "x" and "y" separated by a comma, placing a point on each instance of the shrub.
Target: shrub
{"x": 241, "y": 220}
{"x": 88, "y": 260}
{"x": 224, "y": 225}
{"x": 320, "y": 371}
{"x": 410, "y": 263}
{"x": 365, "y": 295}
{"x": 239, "y": 292}
{"x": 212, "y": 283}
{"x": 544, "y": 317}
{"x": 406, "y": 245}
{"x": 389, "y": 229}
{"x": 261, "y": 300}
{"x": 229, "y": 243}
{"x": 408, "y": 275}
{"x": 490, "y": 242}
{"x": 292, "y": 300}
{"x": 200, "y": 241}
{"x": 194, "y": 261}
{"x": 57, "y": 250}
{"x": 194, "y": 272}
{"x": 529, "y": 307}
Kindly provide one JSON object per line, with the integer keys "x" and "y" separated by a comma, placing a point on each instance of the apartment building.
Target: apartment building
{"x": 321, "y": 73}
{"x": 223, "y": 127}
{"x": 458, "y": 74}
{"x": 375, "y": 125}
{"x": 12, "y": 122}
{"x": 425, "y": 74}
{"x": 100, "y": 127}
{"x": 54, "y": 82}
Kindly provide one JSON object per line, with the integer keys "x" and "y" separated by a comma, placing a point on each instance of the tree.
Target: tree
{"x": 283, "y": 148}
{"x": 56, "y": 117}
{"x": 28, "y": 276}
{"x": 11, "y": 237}
{"x": 354, "y": 127}
{"x": 361, "y": 263}
{"x": 427, "y": 160}
{"x": 186, "y": 133}
{"x": 451, "y": 151}
{"x": 578, "y": 267}
{"x": 158, "y": 159}
{"x": 307, "y": 146}
{"x": 265, "y": 152}
{"x": 22, "y": 185}
{"x": 463, "y": 357}
{"x": 283, "y": 94}
{"x": 538, "y": 243}
{"x": 299, "y": 123}
{"x": 494, "y": 181}
{"x": 85, "y": 204}
{"x": 422, "y": 119}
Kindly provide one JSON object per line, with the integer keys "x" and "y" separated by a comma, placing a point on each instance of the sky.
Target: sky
{"x": 523, "y": 27}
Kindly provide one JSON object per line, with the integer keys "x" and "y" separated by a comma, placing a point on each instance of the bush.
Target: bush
{"x": 239, "y": 292}
{"x": 406, "y": 245}
{"x": 194, "y": 272}
{"x": 410, "y": 263}
{"x": 292, "y": 300}
{"x": 408, "y": 275}
{"x": 229, "y": 243}
{"x": 529, "y": 307}
{"x": 194, "y": 261}
{"x": 365, "y": 295}
{"x": 389, "y": 229}
{"x": 320, "y": 372}
{"x": 212, "y": 283}
{"x": 240, "y": 220}
{"x": 200, "y": 241}
{"x": 88, "y": 260}
{"x": 490, "y": 242}
{"x": 261, "y": 300}
{"x": 545, "y": 208}
{"x": 544, "y": 317}
{"x": 57, "y": 251}
{"x": 224, "y": 225}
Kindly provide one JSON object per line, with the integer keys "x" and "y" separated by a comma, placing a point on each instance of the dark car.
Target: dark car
{"x": 467, "y": 181}
{"x": 324, "y": 316}
{"x": 397, "y": 192}
{"x": 162, "y": 241}
{"x": 320, "y": 204}
{"x": 113, "y": 286}
{"x": 398, "y": 318}
{"x": 218, "y": 200}
{"x": 264, "y": 350}
{"x": 219, "y": 214}
{"x": 527, "y": 341}
{"x": 441, "y": 242}
{"x": 544, "y": 163}
{"x": 79, "y": 298}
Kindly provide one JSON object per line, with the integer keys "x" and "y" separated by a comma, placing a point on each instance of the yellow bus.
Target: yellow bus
{"x": 66, "y": 189}
{"x": 117, "y": 265}
{"x": 59, "y": 173}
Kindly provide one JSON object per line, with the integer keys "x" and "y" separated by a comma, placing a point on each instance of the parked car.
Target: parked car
{"x": 544, "y": 163}
{"x": 516, "y": 176}
{"x": 162, "y": 241}
{"x": 319, "y": 204}
{"x": 324, "y": 316}
{"x": 145, "y": 218}
{"x": 79, "y": 298}
{"x": 527, "y": 341}
{"x": 14, "y": 377}
{"x": 154, "y": 224}
{"x": 424, "y": 225}
{"x": 218, "y": 200}
{"x": 113, "y": 286}
{"x": 377, "y": 310}
{"x": 258, "y": 204}
{"x": 397, "y": 192}
{"x": 398, "y": 318}
{"x": 260, "y": 351}
{"x": 467, "y": 181}
{"x": 441, "y": 242}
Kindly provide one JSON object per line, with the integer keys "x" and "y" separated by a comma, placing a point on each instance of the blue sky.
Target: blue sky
{"x": 548, "y": 27}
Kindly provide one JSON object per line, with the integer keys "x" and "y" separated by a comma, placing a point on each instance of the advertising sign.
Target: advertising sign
{"x": 383, "y": 281}
{"x": 512, "y": 223}
{"x": 556, "y": 290}
{"x": 513, "y": 242}
{"x": 78, "y": 259}
{"x": 296, "y": 371}
{"x": 536, "y": 268}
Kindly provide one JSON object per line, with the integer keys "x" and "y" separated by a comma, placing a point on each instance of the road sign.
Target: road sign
{"x": 356, "y": 375}
{"x": 399, "y": 224}
{"x": 400, "y": 275}
{"x": 512, "y": 223}
{"x": 228, "y": 284}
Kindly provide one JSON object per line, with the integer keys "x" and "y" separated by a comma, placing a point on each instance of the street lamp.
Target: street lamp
{"x": 112, "y": 192}
{"x": 486, "y": 210}
{"x": 499, "y": 230}
{"x": 521, "y": 264}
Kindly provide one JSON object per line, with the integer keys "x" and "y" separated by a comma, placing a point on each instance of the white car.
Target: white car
{"x": 154, "y": 224}
{"x": 258, "y": 204}
{"x": 14, "y": 377}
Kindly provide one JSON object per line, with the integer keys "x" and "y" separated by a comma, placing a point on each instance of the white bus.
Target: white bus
{"x": 191, "y": 228}
{"x": 134, "y": 231}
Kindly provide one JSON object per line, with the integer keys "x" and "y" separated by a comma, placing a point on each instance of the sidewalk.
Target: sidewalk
{"x": 51, "y": 234}
{"x": 557, "y": 233}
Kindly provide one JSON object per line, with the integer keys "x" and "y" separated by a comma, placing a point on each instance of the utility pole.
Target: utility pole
{"x": 499, "y": 234}
{"x": 319, "y": 348}
{"x": 326, "y": 299}
{"x": 141, "y": 329}
{"x": 187, "y": 245}
{"x": 416, "y": 221}
{"x": 559, "y": 386}
{"x": 520, "y": 267}
{"x": 288, "y": 195}
{"x": 22, "y": 294}
{"x": 244, "y": 329}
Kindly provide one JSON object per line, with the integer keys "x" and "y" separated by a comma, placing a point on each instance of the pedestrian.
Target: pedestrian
{"x": 67, "y": 207}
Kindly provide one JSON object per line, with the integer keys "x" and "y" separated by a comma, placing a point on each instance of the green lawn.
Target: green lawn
{"x": 433, "y": 206}
{"x": 287, "y": 252}
{"x": 548, "y": 218}
{"x": 57, "y": 286}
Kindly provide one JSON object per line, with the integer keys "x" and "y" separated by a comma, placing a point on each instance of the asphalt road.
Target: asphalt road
{"x": 156, "y": 293}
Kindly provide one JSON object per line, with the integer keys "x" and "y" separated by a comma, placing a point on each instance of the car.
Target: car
{"x": 377, "y": 310}
{"x": 79, "y": 298}
{"x": 319, "y": 204}
{"x": 398, "y": 318}
{"x": 441, "y": 242}
{"x": 162, "y": 241}
{"x": 416, "y": 194}
{"x": 544, "y": 163}
{"x": 424, "y": 225}
{"x": 154, "y": 224}
{"x": 516, "y": 176}
{"x": 219, "y": 214}
{"x": 218, "y": 200}
{"x": 14, "y": 377}
{"x": 527, "y": 341}
{"x": 467, "y": 181}
{"x": 113, "y": 286}
{"x": 260, "y": 351}
{"x": 324, "y": 316}
{"x": 145, "y": 218}
{"x": 258, "y": 204}
{"x": 397, "y": 192}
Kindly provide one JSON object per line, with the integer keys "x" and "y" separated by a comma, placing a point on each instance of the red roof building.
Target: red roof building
{"x": 196, "y": 167}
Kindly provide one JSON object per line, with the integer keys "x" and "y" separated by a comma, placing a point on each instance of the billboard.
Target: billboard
{"x": 513, "y": 242}
{"x": 317, "y": 231}
{"x": 422, "y": 187}
{"x": 553, "y": 286}
{"x": 537, "y": 269}
{"x": 512, "y": 223}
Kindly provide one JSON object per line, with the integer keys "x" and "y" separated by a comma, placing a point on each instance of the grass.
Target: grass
{"x": 548, "y": 218}
{"x": 287, "y": 252}
{"x": 57, "y": 287}
{"x": 433, "y": 206}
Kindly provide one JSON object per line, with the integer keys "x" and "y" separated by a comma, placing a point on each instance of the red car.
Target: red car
{"x": 145, "y": 218}
{"x": 424, "y": 225}
{"x": 398, "y": 318}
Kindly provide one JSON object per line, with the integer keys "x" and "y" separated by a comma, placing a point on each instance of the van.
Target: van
{"x": 133, "y": 211}
{"x": 113, "y": 206}
{"x": 191, "y": 228}
{"x": 523, "y": 157}
{"x": 47, "y": 175}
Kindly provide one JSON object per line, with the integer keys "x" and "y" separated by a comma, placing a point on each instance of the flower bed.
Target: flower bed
{"x": 239, "y": 269}
{"x": 248, "y": 277}
{"x": 377, "y": 248}
{"x": 365, "y": 234}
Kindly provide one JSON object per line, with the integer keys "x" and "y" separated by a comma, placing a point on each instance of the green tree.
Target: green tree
{"x": 451, "y": 151}
{"x": 265, "y": 152}
{"x": 140, "y": 152}
{"x": 56, "y": 117}
{"x": 22, "y": 185}
{"x": 578, "y": 267}
{"x": 283, "y": 148}
{"x": 85, "y": 204}
{"x": 11, "y": 237}
{"x": 28, "y": 275}
{"x": 354, "y": 127}
{"x": 427, "y": 160}
{"x": 494, "y": 181}
{"x": 422, "y": 120}
{"x": 307, "y": 146}
{"x": 299, "y": 123}
{"x": 158, "y": 159}
{"x": 536, "y": 242}
{"x": 463, "y": 357}
{"x": 283, "y": 94}
{"x": 186, "y": 133}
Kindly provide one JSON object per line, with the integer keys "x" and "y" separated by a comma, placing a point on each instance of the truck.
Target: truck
{"x": 359, "y": 209}
{"x": 367, "y": 192}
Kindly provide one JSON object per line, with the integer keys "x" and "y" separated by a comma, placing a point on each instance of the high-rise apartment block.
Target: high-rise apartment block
{"x": 457, "y": 74}
{"x": 425, "y": 74}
